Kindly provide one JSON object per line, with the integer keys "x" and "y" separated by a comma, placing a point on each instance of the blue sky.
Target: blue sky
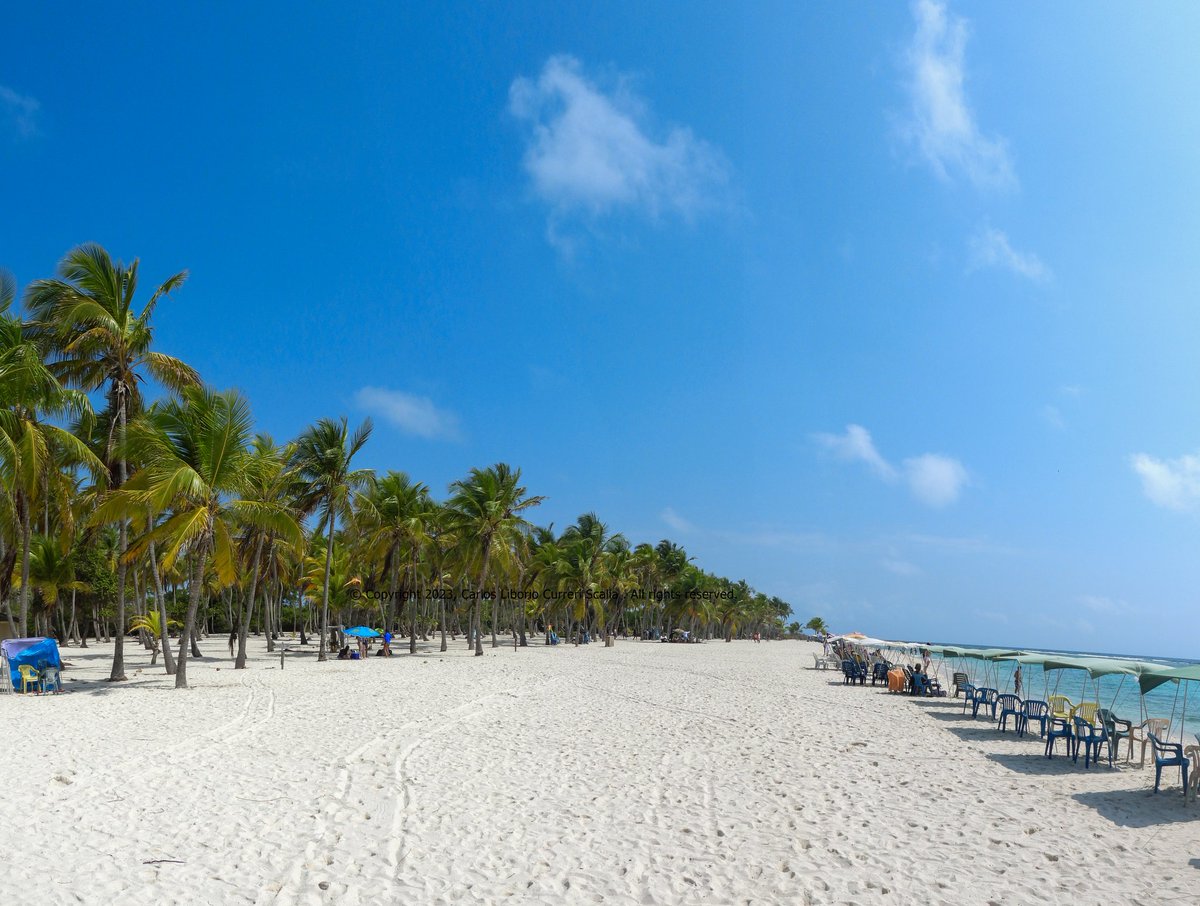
{"x": 888, "y": 309}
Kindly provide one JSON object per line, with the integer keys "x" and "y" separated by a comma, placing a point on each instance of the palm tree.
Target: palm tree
{"x": 486, "y": 509}
{"x": 196, "y": 463}
{"x": 322, "y": 457}
{"x": 51, "y": 572}
{"x": 86, "y": 318}
{"x": 395, "y": 516}
{"x": 32, "y": 450}
{"x": 151, "y": 623}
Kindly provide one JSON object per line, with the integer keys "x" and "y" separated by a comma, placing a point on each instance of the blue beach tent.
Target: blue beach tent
{"x": 37, "y": 653}
{"x": 362, "y": 632}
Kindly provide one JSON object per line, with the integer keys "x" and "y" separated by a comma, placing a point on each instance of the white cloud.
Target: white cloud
{"x": 675, "y": 521}
{"x": 19, "y": 110}
{"x": 935, "y": 480}
{"x": 1054, "y": 417}
{"x": 590, "y": 153}
{"x": 940, "y": 123}
{"x": 1102, "y": 605}
{"x": 413, "y": 414}
{"x": 900, "y": 567}
{"x": 990, "y": 248}
{"x": 856, "y": 446}
{"x": 1170, "y": 483}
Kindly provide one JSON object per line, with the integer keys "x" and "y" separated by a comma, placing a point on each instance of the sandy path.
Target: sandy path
{"x": 644, "y": 773}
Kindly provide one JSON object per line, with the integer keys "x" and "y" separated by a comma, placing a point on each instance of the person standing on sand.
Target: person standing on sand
{"x": 1017, "y": 681}
{"x": 232, "y": 641}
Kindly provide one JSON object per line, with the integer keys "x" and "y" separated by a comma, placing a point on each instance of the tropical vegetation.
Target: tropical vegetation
{"x": 124, "y": 516}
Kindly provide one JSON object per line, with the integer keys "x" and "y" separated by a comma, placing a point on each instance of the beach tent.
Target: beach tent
{"x": 36, "y": 653}
{"x": 361, "y": 632}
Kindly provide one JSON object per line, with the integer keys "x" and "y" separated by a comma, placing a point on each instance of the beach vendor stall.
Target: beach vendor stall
{"x": 31, "y": 665}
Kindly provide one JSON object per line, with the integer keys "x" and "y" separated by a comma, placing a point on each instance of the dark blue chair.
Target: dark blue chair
{"x": 853, "y": 672}
{"x": 1169, "y": 755}
{"x": 879, "y": 673}
{"x": 984, "y": 698}
{"x": 1090, "y": 738}
{"x": 1059, "y": 729}
{"x": 1034, "y": 709}
{"x": 968, "y": 692}
{"x": 1009, "y": 705}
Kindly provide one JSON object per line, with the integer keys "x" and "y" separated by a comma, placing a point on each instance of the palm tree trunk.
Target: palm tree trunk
{"x": 412, "y": 611}
{"x": 442, "y": 619}
{"x": 185, "y": 636}
{"x": 161, "y": 601}
{"x": 26, "y": 542}
{"x": 118, "y": 667}
{"x": 248, "y": 611}
{"x": 478, "y": 609}
{"x": 321, "y": 652}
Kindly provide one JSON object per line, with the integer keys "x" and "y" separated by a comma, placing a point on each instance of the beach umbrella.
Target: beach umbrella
{"x": 361, "y": 632}
{"x": 1163, "y": 673}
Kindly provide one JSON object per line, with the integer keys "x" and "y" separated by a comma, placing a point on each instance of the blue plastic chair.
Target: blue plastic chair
{"x": 984, "y": 698}
{"x": 879, "y": 673}
{"x": 1009, "y": 704}
{"x": 968, "y": 692}
{"x": 853, "y": 672}
{"x": 1169, "y": 755}
{"x": 1059, "y": 729}
{"x": 1034, "y": 709}
{"x": 1090, "y": 738}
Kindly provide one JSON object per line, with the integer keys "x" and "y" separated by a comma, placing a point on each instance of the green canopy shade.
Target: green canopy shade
{"x": 1161, "y": 673}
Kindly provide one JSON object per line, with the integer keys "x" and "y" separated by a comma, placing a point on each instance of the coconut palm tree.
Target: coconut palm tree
{"x": 487, "y": 507}
{"x": 197, "y": 464}
{"x": 51, "y": 573}
{"x": 33, "y": 451}
{"x": 322, "y": 457}
{"x": 86, "y": 317}
{"x": 151, "y": 623}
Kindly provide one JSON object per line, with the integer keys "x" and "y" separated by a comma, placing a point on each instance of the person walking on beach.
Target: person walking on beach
{"x": 1017, "y": 681}
{"x": 232, "y": 641}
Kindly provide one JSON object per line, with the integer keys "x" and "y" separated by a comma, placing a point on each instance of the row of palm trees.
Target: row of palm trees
{"x": 177, "y": 507}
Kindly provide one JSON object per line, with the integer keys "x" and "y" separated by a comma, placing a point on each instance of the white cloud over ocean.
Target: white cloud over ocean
{"x": 1170, "y": 483}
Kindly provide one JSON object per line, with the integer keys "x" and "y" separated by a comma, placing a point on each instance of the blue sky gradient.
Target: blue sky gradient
{"x": 888, "y": 309}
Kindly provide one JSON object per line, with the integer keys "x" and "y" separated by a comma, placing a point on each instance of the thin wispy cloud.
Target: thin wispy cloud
{"x": 939, "y": 123}
{"x": 591, "y": 152}
{"x": 416, "y": 415}
{"x": 18, "y": 112}
{"x": 990, "y": 248}
{"x": 933, "y": 479}
{"x": 1170, "y": 483}
{"x": 900, "y": 567}
{"x": 855, "y": 445}
{"x": 677, "y": 522}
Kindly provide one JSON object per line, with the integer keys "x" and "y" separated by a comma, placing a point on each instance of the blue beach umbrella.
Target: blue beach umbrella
{"x": 361, "y": 632}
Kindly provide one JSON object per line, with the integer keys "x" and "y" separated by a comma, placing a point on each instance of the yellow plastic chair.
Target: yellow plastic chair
{"x": 1060, "y": 706}
{"x": 30, "y": 678}
{"x": 1086, "y": 710}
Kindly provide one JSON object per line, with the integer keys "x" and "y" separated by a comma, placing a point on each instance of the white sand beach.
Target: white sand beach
{"x": 643, "y": 773}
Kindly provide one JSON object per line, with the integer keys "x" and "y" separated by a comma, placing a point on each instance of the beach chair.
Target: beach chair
{"x": 1118, "y": 728}
{"x": 1089, "y": 738}
{"x": 984, "y": 698}
{"x": 1157, "y": 726}
{"x": 1009, "y": 705}
{"x": 1034, "y": 709}
{"x": 1086, "y": 710}
{"x": 853, "y": 672}
{"x": 1059, "y": 729}
{"x": 1169, "y": 755}
{"x": 968, "y": 692}
{"x": 51, "y": 679}
{"x": 879, "y": 673}
{"x": 1193, "y": 754}
{"x": 1060, "y": 706}
{"x": 960, "y": 681}
{"x": 30, "y": 678}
